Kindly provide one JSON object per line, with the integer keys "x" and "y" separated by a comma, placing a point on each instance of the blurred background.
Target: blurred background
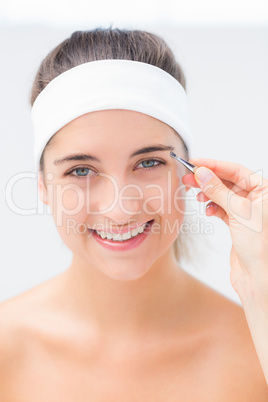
{"x": 223, "y": 50}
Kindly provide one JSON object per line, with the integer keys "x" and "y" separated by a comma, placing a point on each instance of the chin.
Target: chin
{"x": 126, "y": 273}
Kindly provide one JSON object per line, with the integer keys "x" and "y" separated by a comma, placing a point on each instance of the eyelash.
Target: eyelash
{"x": 70, "y": 172}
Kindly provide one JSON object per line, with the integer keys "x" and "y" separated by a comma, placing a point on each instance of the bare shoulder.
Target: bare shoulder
{"x": 13, "y": 340}
{"x": 233, "y": 350}
{"x": 25, "y": 312}
{"x": 23, "y": 321}
{"x": 22, "y": 318}
{"x": 17, "y": 316}
{"x": 15, "y": 320}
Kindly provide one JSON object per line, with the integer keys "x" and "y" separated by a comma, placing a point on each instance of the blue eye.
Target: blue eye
{"x": 151, "y": 163}
{"x": 81, "y": 171}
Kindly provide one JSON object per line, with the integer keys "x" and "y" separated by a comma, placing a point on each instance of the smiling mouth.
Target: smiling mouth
{"x": 117, "y": 236}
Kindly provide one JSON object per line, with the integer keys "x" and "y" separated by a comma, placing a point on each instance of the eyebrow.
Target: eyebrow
{"x": 87, "y": 157}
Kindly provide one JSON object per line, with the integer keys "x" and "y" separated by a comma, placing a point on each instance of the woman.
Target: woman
{"x": 125, "y": 322}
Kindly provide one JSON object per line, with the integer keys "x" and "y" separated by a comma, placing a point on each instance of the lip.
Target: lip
{"x": 129, "y": 244}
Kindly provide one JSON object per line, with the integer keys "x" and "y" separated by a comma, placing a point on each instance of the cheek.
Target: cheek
{"x": 178, "y": 198}
{"x": 71, "y": 200}
{"x": 179, "y": 190}
{"x": 167, "y": 196}
{"x": 67, "y": 203}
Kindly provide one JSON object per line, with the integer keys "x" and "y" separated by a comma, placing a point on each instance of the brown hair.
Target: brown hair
{"x": 109, "y": 43}
{"x": 101, "y": 44}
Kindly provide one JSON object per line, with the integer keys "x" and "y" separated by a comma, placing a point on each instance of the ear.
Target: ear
{"x": 42, "y": 189}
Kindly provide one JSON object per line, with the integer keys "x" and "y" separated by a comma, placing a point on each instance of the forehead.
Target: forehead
{"x": 114, "y": 126}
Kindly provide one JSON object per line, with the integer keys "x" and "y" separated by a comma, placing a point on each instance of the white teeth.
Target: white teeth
{"x": 117, "y": 236}
{"x": 141, "y": 228}
{"x": 123, "y": 236}
{"x": 134, "y": 232}
{"x": 126, "y": 236}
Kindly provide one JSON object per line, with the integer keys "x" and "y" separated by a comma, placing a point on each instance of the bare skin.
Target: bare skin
{"x": 48, "y": 354}
{"x": 129, "y": 325}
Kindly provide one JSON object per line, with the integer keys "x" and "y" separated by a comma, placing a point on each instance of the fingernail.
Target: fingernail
{"x": 211, "y": 209}
{"x": 204, "y": 175}
{"x": 211, "y": 205}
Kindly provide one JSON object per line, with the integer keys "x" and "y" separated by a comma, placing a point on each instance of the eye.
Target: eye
{"x": 151, "y": 163}
{"x": 80, "y": 172}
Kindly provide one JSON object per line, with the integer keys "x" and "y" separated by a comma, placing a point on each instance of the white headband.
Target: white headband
{"x": 109, "y": 84}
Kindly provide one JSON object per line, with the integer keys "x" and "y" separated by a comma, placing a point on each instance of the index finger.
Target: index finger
{"x": 234, "y": 172}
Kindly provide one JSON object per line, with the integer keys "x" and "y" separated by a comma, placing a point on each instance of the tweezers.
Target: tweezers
{"x": 188, "y": 165}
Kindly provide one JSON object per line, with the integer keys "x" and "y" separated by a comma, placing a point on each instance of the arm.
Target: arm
{"x": 254, "y": 299}
{"x": 240, "y": 199}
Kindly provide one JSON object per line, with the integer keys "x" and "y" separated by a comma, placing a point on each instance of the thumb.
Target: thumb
{"x": 215, "y": 190}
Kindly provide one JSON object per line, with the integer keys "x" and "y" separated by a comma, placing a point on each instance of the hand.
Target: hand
{"x": 239, "y": 198}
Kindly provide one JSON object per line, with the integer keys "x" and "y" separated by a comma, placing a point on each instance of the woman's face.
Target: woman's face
{"x": 99, "y": 176}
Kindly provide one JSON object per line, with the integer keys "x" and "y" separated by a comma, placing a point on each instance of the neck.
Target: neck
{"x": 154, "y": 301}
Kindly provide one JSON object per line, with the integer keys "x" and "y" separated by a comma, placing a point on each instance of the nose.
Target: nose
{"x": 118, "y": 201}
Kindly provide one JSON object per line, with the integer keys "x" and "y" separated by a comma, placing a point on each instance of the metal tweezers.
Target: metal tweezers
{"x": 188, "y": 165}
